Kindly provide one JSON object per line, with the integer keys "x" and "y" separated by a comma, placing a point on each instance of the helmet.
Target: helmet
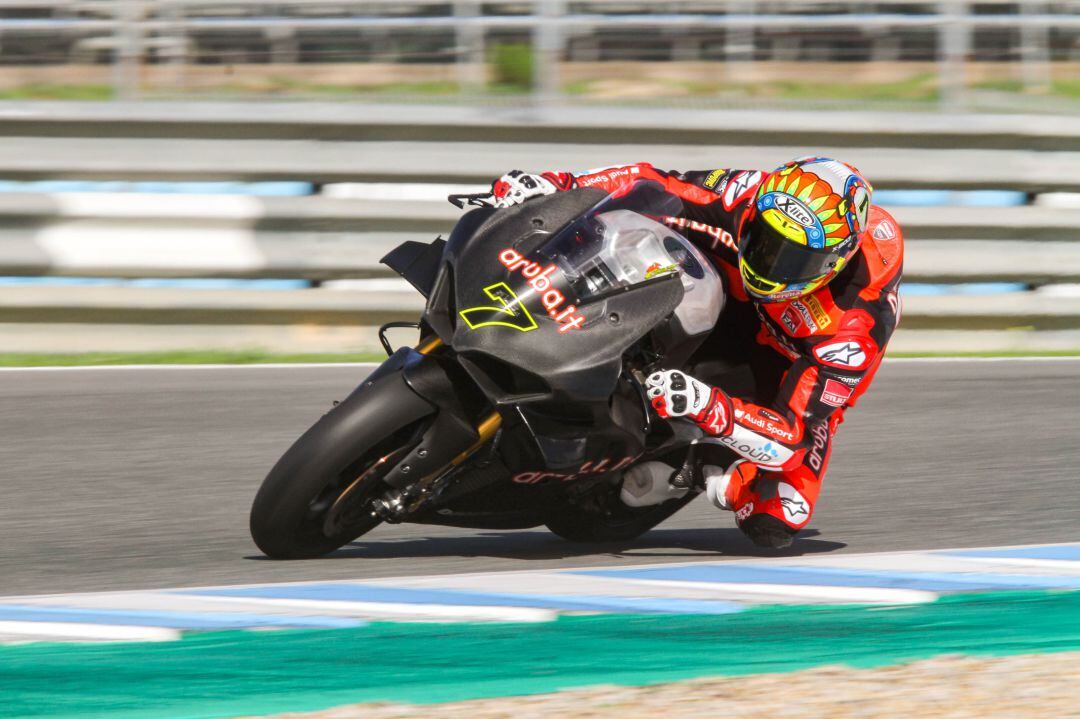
{"x": 805, "y": 224}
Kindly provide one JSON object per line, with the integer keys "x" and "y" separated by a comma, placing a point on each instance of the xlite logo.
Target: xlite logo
{"x": 795, "y": 210}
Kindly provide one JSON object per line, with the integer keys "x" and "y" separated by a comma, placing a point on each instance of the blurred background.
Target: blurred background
{"x": 222, "y": 176}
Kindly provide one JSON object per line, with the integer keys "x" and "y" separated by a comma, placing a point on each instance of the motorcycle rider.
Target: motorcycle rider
{"x": 812, "y": 270}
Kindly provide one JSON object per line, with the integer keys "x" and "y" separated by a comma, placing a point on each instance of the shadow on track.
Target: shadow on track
{"x": 688, "y": 544}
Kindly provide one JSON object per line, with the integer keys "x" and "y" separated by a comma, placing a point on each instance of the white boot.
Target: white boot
{"x": 717, "y": 480}
{"x": 647, "y": 484}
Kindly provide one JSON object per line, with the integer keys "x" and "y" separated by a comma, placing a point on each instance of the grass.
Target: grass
{"x": 919, "y": 88}
{"x": 1068, "y": 88}
{"x": 41, "y": 91}
{"x": 100, "y": 359}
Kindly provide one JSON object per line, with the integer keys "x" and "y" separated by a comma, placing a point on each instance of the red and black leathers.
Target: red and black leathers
{"x": 790, "y": 368}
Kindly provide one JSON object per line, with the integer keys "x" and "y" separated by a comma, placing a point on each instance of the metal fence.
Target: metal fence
{"x": 953, "y": 54}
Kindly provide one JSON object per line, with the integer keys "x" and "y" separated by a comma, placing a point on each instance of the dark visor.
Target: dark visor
{"x": 776, "y": 258}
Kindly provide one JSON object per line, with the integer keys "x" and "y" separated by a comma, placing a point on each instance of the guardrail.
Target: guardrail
{"x": 320, "y": 238}
{"x": 527, "y": 123}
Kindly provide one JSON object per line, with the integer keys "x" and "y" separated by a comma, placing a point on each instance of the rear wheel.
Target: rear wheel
{"x": 318, "y": 496}
{"x": 613, "y": 521}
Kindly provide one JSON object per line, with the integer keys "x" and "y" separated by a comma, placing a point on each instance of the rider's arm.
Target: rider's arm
{"x": 834, "y": 354}
{"x": 700, "y": 187}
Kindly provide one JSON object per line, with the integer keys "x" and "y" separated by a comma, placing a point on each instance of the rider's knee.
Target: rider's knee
{"x": 765, "y": 530}
{"x": 774, "y": 510}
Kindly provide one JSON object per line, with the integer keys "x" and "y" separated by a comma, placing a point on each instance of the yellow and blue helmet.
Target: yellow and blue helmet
{"x": 808, "y": 219}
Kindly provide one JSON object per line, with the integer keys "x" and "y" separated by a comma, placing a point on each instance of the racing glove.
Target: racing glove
{"x": 516, "y": 186}
{"x": 677, "y": 394}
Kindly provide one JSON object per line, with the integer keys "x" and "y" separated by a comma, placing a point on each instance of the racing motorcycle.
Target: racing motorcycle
{"x": 523, "y": 403}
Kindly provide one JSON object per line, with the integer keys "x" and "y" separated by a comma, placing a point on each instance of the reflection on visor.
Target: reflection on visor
{"x": 774, "y": 260}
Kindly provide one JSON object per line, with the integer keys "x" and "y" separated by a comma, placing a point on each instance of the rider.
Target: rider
{"x": 812, "y": 270}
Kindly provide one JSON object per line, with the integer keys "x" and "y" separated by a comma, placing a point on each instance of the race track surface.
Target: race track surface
{"x": 141, "y": 478}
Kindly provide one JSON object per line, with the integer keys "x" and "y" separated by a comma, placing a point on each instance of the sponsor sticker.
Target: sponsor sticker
{"x": 767, "y": 426}
{"x": 813, "y": 306}
{"x": 795, "y": 209}
{"x": 740, "y": 188}
{"x": 820, "y": 432}
{"x": 713, "y": 178}
{"x": 835, "y": 393}
{"x": 592, "y": 467}
{"x": 596, "y": 177}
{"x": 744, "y": 511}
{"x": 758, "y": 449}
{"x": 656, "y": 269}
{"x": 848, "y": 354}
{"x": 885, "y": 231}
{"x": 796, "y": 508}
{"x": 538, "y": 277}
{"x": 790, "y": 318}
{"x": 508, "y": 312}
{"x": 719, "y": 235}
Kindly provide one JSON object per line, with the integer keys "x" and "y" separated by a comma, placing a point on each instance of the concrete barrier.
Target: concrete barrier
{"x": 320, "y": 238}
{"x": 552, "y": 123}
{"x": 357, "y": 307}
{"x": 438, "y": 160}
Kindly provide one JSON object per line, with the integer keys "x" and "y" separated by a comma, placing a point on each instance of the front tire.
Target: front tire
{"x": 289, "y": 517}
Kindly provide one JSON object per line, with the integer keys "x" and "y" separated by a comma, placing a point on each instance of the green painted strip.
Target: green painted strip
{"x": 228, "y": 674}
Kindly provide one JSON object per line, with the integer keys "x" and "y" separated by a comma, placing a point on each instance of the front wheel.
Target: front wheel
{"x": 318, "y": 495}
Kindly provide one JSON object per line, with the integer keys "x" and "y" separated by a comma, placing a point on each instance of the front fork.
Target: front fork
{"x": 431, "y": 459}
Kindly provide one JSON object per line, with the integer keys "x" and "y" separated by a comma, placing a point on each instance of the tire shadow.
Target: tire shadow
{"x": 686, "y": 544}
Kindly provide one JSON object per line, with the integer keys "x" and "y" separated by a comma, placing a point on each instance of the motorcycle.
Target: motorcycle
{"x": 523, "y": 403}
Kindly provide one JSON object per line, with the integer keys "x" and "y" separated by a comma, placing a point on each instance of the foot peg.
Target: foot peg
{"x": 647, "y": 484}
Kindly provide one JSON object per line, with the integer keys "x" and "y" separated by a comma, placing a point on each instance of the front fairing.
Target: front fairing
{"x": 501, "y": 306}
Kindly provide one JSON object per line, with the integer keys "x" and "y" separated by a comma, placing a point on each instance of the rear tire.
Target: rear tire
{"x": 617, "y": 523}
{"x": 289, "y": 512}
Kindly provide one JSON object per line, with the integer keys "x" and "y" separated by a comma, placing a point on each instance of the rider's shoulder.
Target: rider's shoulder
{"x": 813, "y": 315}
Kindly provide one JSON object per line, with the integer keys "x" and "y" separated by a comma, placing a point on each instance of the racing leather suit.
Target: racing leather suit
{"x": 789, "y": 368}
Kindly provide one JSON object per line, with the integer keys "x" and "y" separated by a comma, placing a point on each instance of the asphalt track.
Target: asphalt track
{"x": 141, "y": 478}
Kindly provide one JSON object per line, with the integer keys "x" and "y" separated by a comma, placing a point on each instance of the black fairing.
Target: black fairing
{"x": 417, "y": 262}
{"x": 579, "y": 365}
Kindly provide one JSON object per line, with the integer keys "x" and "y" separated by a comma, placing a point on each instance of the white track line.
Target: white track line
{"x": 411, "y": 612}
{"x": 846, "y": 595}
{"x": 88, "y": 632}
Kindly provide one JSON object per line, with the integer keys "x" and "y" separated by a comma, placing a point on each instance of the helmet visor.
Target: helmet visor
{"x": 773, "y": 257}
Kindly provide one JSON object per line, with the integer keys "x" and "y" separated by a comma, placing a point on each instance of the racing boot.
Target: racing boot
{"x": 730, "y": 488}
{"x": 648, "y": 483}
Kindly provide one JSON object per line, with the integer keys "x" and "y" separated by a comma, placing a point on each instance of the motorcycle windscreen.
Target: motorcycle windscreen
{"x": 617, "y": 245}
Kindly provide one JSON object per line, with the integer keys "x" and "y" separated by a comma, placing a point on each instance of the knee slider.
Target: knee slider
{"x": 767, "y": 531}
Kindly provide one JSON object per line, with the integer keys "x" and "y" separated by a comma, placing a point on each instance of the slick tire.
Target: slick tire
{"x": 618, "y": 524}
{"x": 287, "y": 516}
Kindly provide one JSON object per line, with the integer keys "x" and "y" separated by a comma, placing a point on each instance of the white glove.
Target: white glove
{"x": 516, "y": 186}
{"x": 677, "y": 394}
